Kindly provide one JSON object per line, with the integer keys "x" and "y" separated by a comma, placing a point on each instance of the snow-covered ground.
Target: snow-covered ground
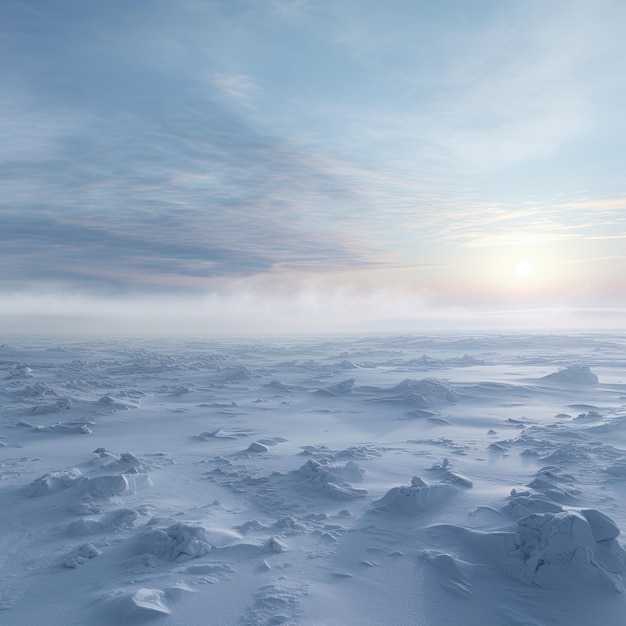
{"x": 476, "y": 480}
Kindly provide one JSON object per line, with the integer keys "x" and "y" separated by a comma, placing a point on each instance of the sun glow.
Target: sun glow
{"x": 524, "y": 268}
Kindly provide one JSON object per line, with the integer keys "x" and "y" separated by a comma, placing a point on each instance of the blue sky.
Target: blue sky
{"x": 311, "y": 165}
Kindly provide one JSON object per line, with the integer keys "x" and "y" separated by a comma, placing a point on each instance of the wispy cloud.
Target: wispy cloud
{"x": 195, "y": 146}
{"x": 237, "y": 86}
{"x": 155, "y": 183}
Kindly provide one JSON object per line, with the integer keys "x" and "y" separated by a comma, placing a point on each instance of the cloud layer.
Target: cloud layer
{"x": 193, "y": 149}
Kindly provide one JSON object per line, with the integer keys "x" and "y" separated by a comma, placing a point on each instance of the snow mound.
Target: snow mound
{"x": 416, "y": 393}
{"x": 346, "y": 365}
{"x": 573, "y": 375}
{"x": 279, "y": 602}
{"x": 220, "y": 433}
{"x": 555, "y": 484}
{"x": 603, "y": 528}
{"x": 549, "y": 544}
{"x": 426, "y": 362}
{"x": 234, "y": 374}
{"x": 443, "y": 470}
{"x": 339, "y": 389}
{"x": 115, "y": 520}
{"x": 103, "y": 486}
{"x": 79, "y": 556}
{"x": 453, "y": 574}
{"x": 54, "y": 481}
{"x": 73, "y": 426}
{"x": 332, "y": 479}
{"x": 274, "y": 544}
{"x": 257, "y": 446}
{"x": 521, "y": 505}
{"x": 419, "y": 497}
{"x": 126, "y": 462}
{"x": 568, "y": 453}
{"x": 617, "y": 469}
{"x": 457, "y": 479}
{"x": 183, "y": 541}
{"x": 125, "y": 474}
{"x": 61, "y": 404}
{"x": 35, "y": 391}
{"x": 141, "y": 605}
{"x": 112, "y": 404}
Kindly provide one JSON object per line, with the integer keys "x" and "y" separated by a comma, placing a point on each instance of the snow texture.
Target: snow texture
{"x": 446, "y": 479}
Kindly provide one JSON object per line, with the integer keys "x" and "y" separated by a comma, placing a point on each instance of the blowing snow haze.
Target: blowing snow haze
{"x": 291, "y": 165}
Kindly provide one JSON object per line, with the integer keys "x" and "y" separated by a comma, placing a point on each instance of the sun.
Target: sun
{"x": 524, "y": 268}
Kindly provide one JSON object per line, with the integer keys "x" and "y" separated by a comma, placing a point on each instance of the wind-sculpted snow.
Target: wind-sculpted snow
{"x": 114, "y": 520}
{"x": 416, "y": 498}
{"x": 551, "y": 546}
{"x": 420, "y": 496}
{"x": 338, "y": 389}
{"x": 428, "y": 363}
{"x": 103, "y": 486}
{"x": 112, "y": 403}
{"x": 233, "y": 374}
{"x": 71, "y": 426}
{"x": 556, "y": 484}
{"x": 125, "y": 462}
{"x": 182, "y": 541}
{"x": 144, "y": 604}
{"x": 54, "y": 481}
{"x": 573, "y": 374}
{"x": 414, "y": 393}
{"x": 269, "y": 481}
{"x": 332, "y": 480}
{"x": 81, "y": 555}
{"x": 60, "y": 404}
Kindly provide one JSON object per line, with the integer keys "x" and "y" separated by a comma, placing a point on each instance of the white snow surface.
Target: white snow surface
{"x": 418, "y": 480}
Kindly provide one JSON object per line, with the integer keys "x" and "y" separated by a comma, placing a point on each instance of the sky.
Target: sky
{"x": 272, "y": 166}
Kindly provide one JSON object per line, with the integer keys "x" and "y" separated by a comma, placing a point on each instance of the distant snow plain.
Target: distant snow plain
{"x": 418, "y": 480}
